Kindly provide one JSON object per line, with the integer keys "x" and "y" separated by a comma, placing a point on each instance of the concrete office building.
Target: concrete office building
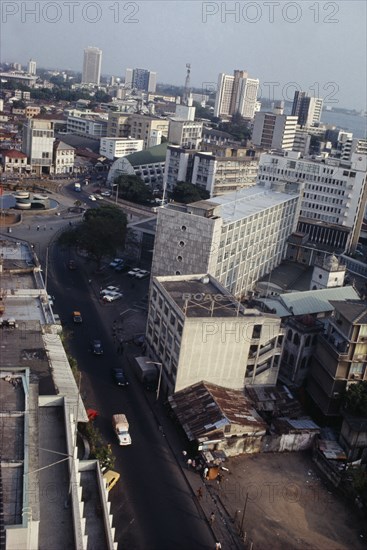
{"x": 307, "y": 109}
{"x": 113, "y": 148}
{"x": 274, "y": 131}
{"x": 38, "y": 140}
{"x": 236, "y": 94}
{"x": 92, "y": 66}
{"x": 185, "y": 133}
{"x": 221, "y": 174}
{"x": 89, "y": 125}
{"x": 334, "y": 198}
{"x": 145, "y": 127}
{"x": 141, "y": 79}
{"x": 237, "y": 237}
{"x": 197, "y": 331}
{"x": 340, "y": 357}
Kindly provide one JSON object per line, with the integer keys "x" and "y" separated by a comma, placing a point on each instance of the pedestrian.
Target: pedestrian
{"x": 205, "y": 475}
{"x": 189, "y": 463}
{"x": 194, "y": 464}
{"x": 199, "y": 493}
{"x": 212, "y": 518}
{"x": 218, "y": 546}
{"x": 38, "y": 227}
{"x": 44, "y": 228}
{"x": 29, "y": 227}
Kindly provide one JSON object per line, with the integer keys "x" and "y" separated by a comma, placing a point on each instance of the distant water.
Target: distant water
{"x": 352, "y": 123}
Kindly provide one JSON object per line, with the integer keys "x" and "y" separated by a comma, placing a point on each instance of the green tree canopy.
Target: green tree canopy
{"x": 355, "y": 399}
{"x": 132, "y": 188}
{"x": 101, "y": 234}
{"x": 188, "y": 192}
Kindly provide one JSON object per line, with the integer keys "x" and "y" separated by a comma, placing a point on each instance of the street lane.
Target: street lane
{"x": 153, "y": 506}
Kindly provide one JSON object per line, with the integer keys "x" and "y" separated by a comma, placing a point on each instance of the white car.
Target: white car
{"x": 109, "y": 289}
{"x": 112, "y": 296}
{"x": 116, "y": 262}
{"x": 142, "y": 274}
{"x": 106, "y": 193}
{"x": 92, "y": 198}
{"x": 133, "y": 272}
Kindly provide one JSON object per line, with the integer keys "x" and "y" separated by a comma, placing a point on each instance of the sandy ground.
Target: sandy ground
{"x": 288, "y": 505}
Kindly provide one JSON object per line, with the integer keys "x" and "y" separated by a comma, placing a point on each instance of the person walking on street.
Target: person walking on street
{"x": 212, "y": 518}
{"x": 218, "y": 546}
{"x": 189, "y": 463}
{"x": 199, "y": 493}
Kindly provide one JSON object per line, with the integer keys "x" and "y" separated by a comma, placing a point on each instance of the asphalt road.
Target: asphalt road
{"x": 153, "y": 506}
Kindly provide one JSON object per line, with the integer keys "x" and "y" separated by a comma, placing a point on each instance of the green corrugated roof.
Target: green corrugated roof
{"x": 149, "y": 156}
{"x": 316, "y": 301}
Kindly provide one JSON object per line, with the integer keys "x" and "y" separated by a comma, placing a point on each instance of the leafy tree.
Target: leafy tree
{"x": 101, "y": 233}
{"x": 187, "y": 192}
{"x": 132, "y": 188}
{"x": 355, "y": 399}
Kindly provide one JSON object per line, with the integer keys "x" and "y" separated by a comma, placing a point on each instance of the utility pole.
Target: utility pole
{"x": 243, "y": 516}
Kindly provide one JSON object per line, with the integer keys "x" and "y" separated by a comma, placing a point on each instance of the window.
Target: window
{"x": 179, "y": 258}
{"x": 183, "y": 227}
{"x": 182, "y": 244}
{"x": 256, "y": 333}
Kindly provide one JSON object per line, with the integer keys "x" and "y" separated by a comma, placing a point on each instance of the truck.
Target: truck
{"x": 77, "y": 187}
{"x": 121, "y": 428}
{"x": 146, "y": 372}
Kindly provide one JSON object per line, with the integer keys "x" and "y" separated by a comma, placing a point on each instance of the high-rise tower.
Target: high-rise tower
{"x": 92, "y": 66}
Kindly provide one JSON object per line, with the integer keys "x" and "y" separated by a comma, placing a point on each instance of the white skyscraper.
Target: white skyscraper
{"x": 32, "y": 66}
{"x": 92, "y": 66}
{"x": 236, "y": 94}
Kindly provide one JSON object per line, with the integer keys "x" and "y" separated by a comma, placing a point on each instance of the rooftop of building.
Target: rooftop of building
{"x": 153, "y": 155}
{"x": 310, "y": 302}
{"x": 245, "y": 202}
{"x": 203, "y": 296}
{"x": 354, "y": 310}
{"x": 13, "y": 153}
{"x": 205, "y": 409}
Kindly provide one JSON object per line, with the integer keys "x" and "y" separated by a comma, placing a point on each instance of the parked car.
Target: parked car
{"x": 111, "y": 478}
{"x": 116, "y": 262}
{"x": 133, "y": 272}
{"x": 142, "y": 274}
{"x": 106, "y": 193}
{"x": 96, "y": 347}
{"x": 92, "y": 198}
{"x": 119, "y": 377}
{"x": 109, "y": 289}
{"x": 51, "y": 300}
{"x": 112, "y": 296}
{"x": 77, "y": 318}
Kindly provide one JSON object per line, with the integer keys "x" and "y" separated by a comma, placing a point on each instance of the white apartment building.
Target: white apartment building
{"x": 185, "y": 133}
{"x": 334, "y": 199}
{"x": 274, "y": 131}
{"x": 302, "y": 141}
{"x": 307, "y": 109}
{"x": 353, "y": 146}
{"x": 237, "y": 93}
{"x": 32, "y": 67}
{"x": 63, "y": 157}
{"x": 92, "y": 66}
{"x": 199, "y": 332}
{"x": 237, "y": 238}
{"x": 88, "y": 125}
{"x": 38, "y": 140}
{"x": 220, "y": 175}
{"x": 113, "y": 148}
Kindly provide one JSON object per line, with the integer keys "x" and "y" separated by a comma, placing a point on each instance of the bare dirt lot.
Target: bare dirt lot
{"x": 288, "y": 505}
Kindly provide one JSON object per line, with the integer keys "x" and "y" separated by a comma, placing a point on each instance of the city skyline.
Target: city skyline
{"x": 288, "y": 47}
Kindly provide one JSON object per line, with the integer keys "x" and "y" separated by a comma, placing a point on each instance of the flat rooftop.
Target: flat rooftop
{"x": 200, "y": 296}
{"x": 246, "y": 202}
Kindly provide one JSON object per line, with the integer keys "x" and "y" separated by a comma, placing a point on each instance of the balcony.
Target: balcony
{"x": 337, "y": 343}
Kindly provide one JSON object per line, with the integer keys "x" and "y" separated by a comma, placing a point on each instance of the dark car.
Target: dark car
{"x": 96, "y": 347}
{"x": 119, "y": 377}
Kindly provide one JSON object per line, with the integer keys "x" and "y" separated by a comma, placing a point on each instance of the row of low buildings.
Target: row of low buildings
{"x": 43, "y": 482}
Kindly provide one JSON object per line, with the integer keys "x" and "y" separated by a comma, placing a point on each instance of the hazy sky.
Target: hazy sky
{"x": 319, "y": 47}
